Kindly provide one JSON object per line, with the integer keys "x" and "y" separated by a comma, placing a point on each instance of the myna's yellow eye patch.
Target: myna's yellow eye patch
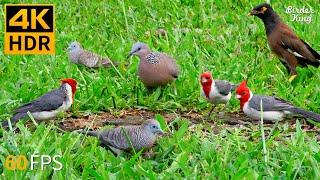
{"x": 263, "y": 9}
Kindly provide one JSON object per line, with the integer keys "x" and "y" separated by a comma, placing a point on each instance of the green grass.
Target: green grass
{"x": 222, "y": 39}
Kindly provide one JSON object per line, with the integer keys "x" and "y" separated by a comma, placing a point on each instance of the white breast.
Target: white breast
{"x": 215, "y": 97}
{"x": 267, "y": 115}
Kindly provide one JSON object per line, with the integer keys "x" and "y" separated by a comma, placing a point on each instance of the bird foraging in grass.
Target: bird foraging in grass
{"x": 155, "y": 69}
{"x": 289, "y": 48}
{"x": 273, "y": 108}
{"x": 127, "y": 138}
{"x": 49, "y": 105}
{"x": 215, "y": 91}
{"x": 78, "y": 55}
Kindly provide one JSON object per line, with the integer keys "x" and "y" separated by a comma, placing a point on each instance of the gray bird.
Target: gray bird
{"x": 155, "y": 69}
{"x": 80, "y": 56}
{"x": 118, "y": 139}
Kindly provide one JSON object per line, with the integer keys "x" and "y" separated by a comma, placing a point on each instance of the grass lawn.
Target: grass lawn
{"x": 201, "y": 35}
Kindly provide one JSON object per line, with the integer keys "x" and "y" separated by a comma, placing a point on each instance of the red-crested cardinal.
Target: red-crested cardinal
{"x": 48, "y": 105}
{"x": 215, "y": 91}
{"x": 273, "y": 108}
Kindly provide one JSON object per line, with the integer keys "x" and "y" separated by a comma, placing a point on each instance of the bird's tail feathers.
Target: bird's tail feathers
{"x": 107, "y": 63}
{"x": 313, "y": 52}
{"x": 305, "y": 62}
{"x": 15, "y": 118}
{"x": 90, "y": 133}
{"x": 307, "y": 114}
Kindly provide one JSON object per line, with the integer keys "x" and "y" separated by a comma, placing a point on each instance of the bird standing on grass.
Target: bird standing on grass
{"x": 215, "y": 91}
{"x": 155, "y": 69}
{"x": 290, "y": 49}
{"x": 49, "y": 105}
{"x": 127, "y": 137}
{"x": 273, "y": 108}
{"x": 80, "y": 56}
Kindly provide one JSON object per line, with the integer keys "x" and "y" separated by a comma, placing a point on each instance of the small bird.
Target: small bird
{"x": 215, "y": 91}
{"x": 273, "y": 108}
{"x": 155, "y": 69}
{"x": 48, "y": 105}
{"x": 290, "y": 49}
{"x": 80, "y": 56}
{"x": 127, "y": 137}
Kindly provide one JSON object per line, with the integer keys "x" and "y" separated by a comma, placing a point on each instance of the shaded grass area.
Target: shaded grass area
{"x": 201, "y": 35}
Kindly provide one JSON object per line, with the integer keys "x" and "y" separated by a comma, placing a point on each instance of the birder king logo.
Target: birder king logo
{"x": 29, "y": 29}
{"x": 303, "y": 14}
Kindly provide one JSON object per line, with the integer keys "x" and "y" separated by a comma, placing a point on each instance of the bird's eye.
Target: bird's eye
{"x": 154, "y": 127}
{"x": 139, "y": 48}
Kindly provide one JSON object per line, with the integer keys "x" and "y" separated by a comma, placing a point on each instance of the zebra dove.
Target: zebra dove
{"x": 127, "y": 137}
{"x": 80, "y": 56}
{"x": 155, "y": 69}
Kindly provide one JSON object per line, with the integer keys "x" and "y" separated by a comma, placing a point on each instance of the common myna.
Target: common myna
{"x": 290, "y": 49}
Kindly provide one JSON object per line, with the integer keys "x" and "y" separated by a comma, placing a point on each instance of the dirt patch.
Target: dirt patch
{"x": 134, "y": 117}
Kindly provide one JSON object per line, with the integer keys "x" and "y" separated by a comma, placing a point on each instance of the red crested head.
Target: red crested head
{"x": 243, "y": 93}
{"x": 73, "y": 83}
{"x": 206, "y": 79}
{"x": 206, "y": 82}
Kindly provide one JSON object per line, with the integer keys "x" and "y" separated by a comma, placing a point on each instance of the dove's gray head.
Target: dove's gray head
{"x": 138, "y": 48}
{"x": 74, "y": 46}
{"x": 152, "y": 126}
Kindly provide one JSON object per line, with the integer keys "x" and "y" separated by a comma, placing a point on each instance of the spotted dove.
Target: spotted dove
{"x": 155, "y": 69}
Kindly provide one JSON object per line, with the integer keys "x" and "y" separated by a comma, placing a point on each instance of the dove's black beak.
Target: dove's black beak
{"x": 129, "y": 55}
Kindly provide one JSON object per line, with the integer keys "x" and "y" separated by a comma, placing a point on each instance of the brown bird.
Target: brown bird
{"x": 290, "y": 49}
{"x": 155, "y": 69}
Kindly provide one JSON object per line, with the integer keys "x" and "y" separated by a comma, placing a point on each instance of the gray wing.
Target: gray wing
{"x": 91, "y": 59}
{"x": 269, "y": 103}
{"x": 49, "y": 101}
{"x": 224, "y": 87}
{"x": 115, "y": 138}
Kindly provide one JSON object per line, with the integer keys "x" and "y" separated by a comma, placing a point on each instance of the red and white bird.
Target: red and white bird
{"x": 273, "y": 108}
{"x": 215, "y": 91}
{"x": 48, "y": 105}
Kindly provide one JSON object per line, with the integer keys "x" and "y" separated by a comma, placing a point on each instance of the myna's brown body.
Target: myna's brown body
{"x": 290, "y": 49}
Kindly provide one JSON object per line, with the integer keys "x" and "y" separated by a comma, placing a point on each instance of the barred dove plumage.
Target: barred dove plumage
{"x": 80, "y": 56}
{"x": 118, "y": 139}
{"x": 155, "y": 69}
